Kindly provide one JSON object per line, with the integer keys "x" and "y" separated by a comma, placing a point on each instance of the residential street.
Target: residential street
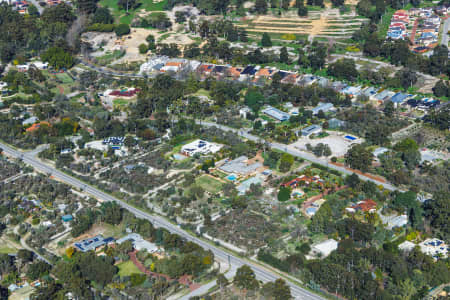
{"x": 262, "y": 273}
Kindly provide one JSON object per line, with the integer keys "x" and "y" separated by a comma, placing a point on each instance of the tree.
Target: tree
{"x": 389, "y": 109}
{"x": 358, "y": 157}
{"x": 284, "y": 194}
{"x": 265, "y": 40}
{"x": 286, "y": 162}
{"x": 343, "y": 69}
{"x": 127, "y": 4}
{"x": 33, "y": 11}
{"x": 222, "y": 281}
{"x": 277, "y": 290}
{"x": 180, "y": 17}
{"x": 122, "y": 29}
{"x": 441, "y": 89}
{"x": 245, "y": 278}
{"x": 337, "y": 3}
{"x": 103, "y": 15}
{"x": 407, "y": 78}
{"x": 58, "y": 58}
{"x": 261, "y": 7}
{"x": 87, "y": 6}
{"x": 111, "y": 213}
{"x": 284, "y": 56}
{"x": 302, "y": 11}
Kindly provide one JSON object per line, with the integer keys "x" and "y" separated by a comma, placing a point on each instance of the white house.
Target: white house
{"x": 200, "y": 147}
{"x": 244, "y": 111}
{"x": 324, "y": 248}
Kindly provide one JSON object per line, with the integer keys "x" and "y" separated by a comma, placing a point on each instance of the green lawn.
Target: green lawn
{"x": 127, "y": 268}
{"x": 64, "y": 77}
{"x": 209, "y": 184}
{"x": 7, "y": 250}
{"x": 120, "y": 103}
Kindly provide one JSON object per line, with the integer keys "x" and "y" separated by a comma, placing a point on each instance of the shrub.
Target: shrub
{"x": 122, "y": 29}
{"x": 143, "y": 48}
{"x": 101, "y": 27}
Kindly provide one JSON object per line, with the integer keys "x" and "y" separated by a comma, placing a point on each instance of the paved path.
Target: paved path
{"x": 262, "y": 273}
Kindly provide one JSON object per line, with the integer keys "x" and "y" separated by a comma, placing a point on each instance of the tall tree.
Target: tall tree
{"x": 265, "y": 40}
{"x": 245, "y": 278}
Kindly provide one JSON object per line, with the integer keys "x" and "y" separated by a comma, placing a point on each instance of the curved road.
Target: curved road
{"x": 261, "y": 273}
{"x": 295, "y": 152}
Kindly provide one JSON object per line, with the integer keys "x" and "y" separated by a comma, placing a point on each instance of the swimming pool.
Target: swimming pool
{"x": 351, "y": 138}
{"x": 178, "y": 156}
{"x": 231, "y": 177}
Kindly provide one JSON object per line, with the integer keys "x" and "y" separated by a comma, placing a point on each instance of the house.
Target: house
{"x": 67, "y": 218}
{"x": 308, "y": 80}
{"x": 65, "y": 151}
{"x": 93, "y": 243}
{"x": 220, "y": 70}
{"x": 30, "y": 121}
{"x": 22, "y": 68}
{"x": 310, "y": 130}
{"x": 399, "y": 98}
{"x": 370, "y": 92}
{"x": 264, "y": 73}
{"x": 406, "y": 246}
{"x": 240, "y": 166}
{"x": 245, "y": 185}
{"x": 205, "y": 69}
{"x": 40, "y": 65}
{"x": 435, "y": 248}
{"x": 397, "y": 221}
{"x": 234, "y": 72}
{"x": 200, "y": 147}
{"x": 174, "y": 65}
{"x": 276, "y": 113}
{"x": 125, "y": 93}
{"x": 365, "y": 206}
{"x": 378, "y": 151}
{"x": 244, "y": 111}
{"x": 324, "y": 248}
{"x": 129, "y": 168}
{"x": 335, "y": 123}
{"x": 352, "y": 91}
{"x": 325, "y": 107}
{"x": 303, "y": 178}
{"x": 139, "y": 243}
{"x": 36, "y": 126}
{"x": 248, "y": 72}
{"x": 384, "y": 95}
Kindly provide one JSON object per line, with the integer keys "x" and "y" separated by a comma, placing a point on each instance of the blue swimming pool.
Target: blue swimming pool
{"x": 231, "y": 177}
{"x": 352, "y": 138}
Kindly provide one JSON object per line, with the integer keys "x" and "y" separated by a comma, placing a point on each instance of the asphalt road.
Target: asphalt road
{"x": 445, "y": 37}
{"x": 296, "y": 152}
{"x": 261, "y": 273}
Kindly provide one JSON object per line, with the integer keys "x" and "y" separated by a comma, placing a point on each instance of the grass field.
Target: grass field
{"x": 209, "y": 184}
{"x": 127, "y": 268}
{"x": 122, "y": 17}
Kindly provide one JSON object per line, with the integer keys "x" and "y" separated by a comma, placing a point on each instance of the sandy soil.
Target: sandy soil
{"x": 338, "y": 144}
{"x": 317, "y": 23}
